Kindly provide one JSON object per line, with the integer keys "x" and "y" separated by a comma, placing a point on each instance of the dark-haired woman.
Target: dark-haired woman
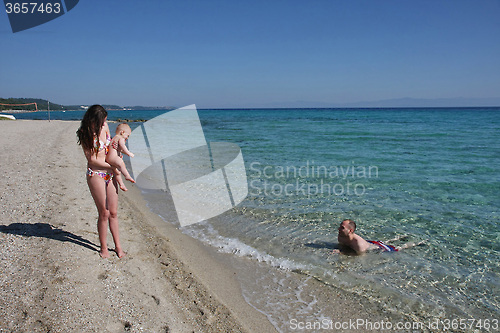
{"x": 93, "y": 136}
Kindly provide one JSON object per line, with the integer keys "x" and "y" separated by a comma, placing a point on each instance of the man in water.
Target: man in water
{"x": 349, "y": 240}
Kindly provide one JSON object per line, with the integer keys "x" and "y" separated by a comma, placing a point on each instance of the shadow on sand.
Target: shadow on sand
{"x": 47, "y": 231}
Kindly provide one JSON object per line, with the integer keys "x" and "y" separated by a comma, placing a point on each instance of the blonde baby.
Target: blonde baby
{"x": 115, "y": 158}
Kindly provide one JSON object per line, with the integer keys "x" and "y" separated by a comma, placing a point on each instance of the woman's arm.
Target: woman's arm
{"x": 96, "y": 162}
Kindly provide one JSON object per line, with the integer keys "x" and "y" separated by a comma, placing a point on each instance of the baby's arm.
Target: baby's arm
{"x": 123, "y": 148}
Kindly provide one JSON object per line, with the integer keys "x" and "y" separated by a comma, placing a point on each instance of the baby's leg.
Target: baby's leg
{"x": 118, "y": 163}
{"x": 119, "y": 180}
{"x": 126, "y": 174}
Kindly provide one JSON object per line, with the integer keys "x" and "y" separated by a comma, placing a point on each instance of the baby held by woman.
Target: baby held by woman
{"x": 114, "y": 157}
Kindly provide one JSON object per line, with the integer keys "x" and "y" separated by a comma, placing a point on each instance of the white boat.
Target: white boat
{"x": 7, "y": 116}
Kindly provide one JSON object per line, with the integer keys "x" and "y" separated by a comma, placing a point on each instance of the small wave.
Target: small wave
{"x": 207, "y": 234}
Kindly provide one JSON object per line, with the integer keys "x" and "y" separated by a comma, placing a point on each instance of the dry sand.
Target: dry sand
{"x": 52, "y": 278}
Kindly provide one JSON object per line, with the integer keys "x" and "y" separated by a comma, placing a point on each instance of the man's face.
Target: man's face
{"x": 344, "y": 229}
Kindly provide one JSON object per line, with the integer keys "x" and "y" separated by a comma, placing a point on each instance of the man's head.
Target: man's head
{"x": 347, "y": 227}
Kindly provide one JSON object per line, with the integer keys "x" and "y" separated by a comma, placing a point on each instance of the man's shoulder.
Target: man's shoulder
{"x": 361, "y": 244}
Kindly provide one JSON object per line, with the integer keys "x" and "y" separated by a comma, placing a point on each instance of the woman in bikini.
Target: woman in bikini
{"x": 93, "y": 136}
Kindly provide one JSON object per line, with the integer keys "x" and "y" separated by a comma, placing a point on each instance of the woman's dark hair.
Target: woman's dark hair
{"x": 90, "y": 128}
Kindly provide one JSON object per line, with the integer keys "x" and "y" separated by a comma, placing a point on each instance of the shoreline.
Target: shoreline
{"x": 52, "y": 276}
{"x": 207, "y": 267}
{"x": 283, "y": 264}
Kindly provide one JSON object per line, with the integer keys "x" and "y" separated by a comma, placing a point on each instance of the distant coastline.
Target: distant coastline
{"x": 406, "y": 103}
{"x": 15, "y": 105}
{"x": 357, "y": 108}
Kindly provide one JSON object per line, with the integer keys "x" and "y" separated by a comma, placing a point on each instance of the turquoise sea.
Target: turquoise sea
{"x": 430, "y": 175}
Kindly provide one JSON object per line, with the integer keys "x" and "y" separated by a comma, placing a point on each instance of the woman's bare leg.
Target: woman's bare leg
{"x": 97, "y": 187}
{"x": 112, "y": 192}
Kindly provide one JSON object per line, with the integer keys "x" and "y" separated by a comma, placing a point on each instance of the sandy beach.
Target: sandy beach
{"x": 52, "y": 278}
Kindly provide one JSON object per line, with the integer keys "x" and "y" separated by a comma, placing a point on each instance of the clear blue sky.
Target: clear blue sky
{"x": 239, "y": 53}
